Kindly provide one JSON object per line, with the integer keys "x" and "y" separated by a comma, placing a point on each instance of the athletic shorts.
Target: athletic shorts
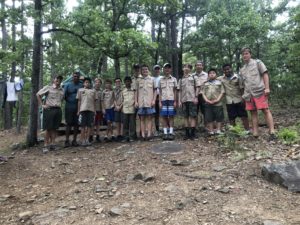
{"x": 86, "y": 118}
{"x": 71, "y": 117}
{"x": 257, "y": 103}
{"x": 98, "y": 117}
{"x": 189, "y": 109}
{"x": 52, "y": 118}
{"x": 236, "y": 110}
{"x": 145, "y": 111}
{"x": 213, "y": 113}
{"x": 110, "y": 115}
{"x": 118, "y": 117}
{"x": 167, "y": 108}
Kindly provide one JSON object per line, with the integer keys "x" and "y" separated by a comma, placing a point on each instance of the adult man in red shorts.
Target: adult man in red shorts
{"x": 256, "y": 81}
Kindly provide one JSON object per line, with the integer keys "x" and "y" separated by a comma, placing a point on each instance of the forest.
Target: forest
{"x": 104, "y": 38}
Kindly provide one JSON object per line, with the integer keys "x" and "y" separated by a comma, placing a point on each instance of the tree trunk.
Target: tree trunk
{"x": 168, "y": 40}
{"x": 174, "y": 36}
{"x": 126, "y": 67}
{"x": 36, "y": 61}
{"x": 117, "y": 67}
{"x": 23, "y": 60}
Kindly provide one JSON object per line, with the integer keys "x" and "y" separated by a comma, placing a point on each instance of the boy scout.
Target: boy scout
{"x": 145, "y": 101}
{"x": 167, "y": 101}
{"x": 212, "y": 92}
{"x": 98, "y": 114}
{"x": 51, "y": 111}
{"x": 188, "y": 87}
{"x": 108, "y": 109}
{"x": 234, "y": 88}
{"x": 86, "y": 110}
{"x": 256, "y": 81}
{"x": 118, "y": 118}
{"x": 128, "y": 110}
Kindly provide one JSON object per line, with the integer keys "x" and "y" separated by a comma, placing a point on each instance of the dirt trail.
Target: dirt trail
{"x": 117, "y": 183}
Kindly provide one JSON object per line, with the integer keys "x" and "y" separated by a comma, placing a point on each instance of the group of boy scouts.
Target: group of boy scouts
{"x": 155, "y": 97}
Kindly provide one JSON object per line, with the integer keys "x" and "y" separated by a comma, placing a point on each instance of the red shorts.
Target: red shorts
{"x": 257, "y": 103}
{"x": 98, "y": 117}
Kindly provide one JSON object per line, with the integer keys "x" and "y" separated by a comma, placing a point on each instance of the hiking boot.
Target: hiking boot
{"x": 52, "y": 147}
{"x": 105, "y": 139}
{"x": 67, "y": 144}
{"x": 165, "y": 137}
{"x": 113, "y": 138}
{"x": 171, "y": 137}
{"x": 98, "y": 138}
{"x": 119, "y": 138}
{"x": 74, "y": 143}
{"x": 91, "y": 138}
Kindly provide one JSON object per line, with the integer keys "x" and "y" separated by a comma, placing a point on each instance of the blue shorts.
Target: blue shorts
{"x": 110, "y": 115}
{"x": 145, "y": 111}
{"x": 167, "y": 108}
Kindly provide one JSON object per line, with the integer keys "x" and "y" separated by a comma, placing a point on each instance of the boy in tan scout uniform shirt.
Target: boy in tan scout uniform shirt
{"x": 118, "y": 104}
{"x": 212, "y": 92}
{"x": 145, "y": 101}
{"x": 86, "y": 110}
{"x": 188, "y": 88}
{"x": 202, "y": 76}
{"x": 234, "y": 89}
{"x": 256, "y": 81}
{"x": 52, "y": 113}
{"x": 167, "y": 101}
{"x": 108, "y": 99}
{"x": 98, "y": 114}
{"x": 136, "y": 75}
{"x": 128, "y": 110}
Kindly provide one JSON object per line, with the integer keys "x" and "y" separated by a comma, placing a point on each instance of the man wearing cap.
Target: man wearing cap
{"x": 157, "y": 77}
{"x": 167, "y": 97}
{"x": 71, "y": 108}
{"x": 257, "y": 90}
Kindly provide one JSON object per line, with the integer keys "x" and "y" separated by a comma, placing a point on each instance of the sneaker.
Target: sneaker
{"x": 218, "y": 132}
{"x": 74, "y": 143}
{"x": 165, "y": 137}
{"x": 171, "y": 137}
{"x": 119, "y": 138}
{"x": 105, "y": 139}
{"x": 83, "y": 143}
{"x": 211, "y": 133}
{"x": 87, "y": 143}
{"x": 67, "y": 144}
{"x": 156, "y": 133}
{"x": 272, "y": 137}
{"x": 91, "y": 138}
{"x": 98, "y": 138}
{"x": 52, "y": 147}
{"x": 113, "y": 138}
{"x": 45, "y": 149}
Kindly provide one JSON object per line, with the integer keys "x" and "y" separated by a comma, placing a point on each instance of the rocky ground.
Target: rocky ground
{"x": 211, "y": 181}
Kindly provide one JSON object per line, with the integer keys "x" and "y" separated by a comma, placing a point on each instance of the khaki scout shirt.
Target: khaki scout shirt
{"x": 108, "y": 99}
{"x": 187, "y": 86}
{"x": 118, "y": 96}
{"x": 134, "y": 80}
{"x": 145, "y": 87}
{"x": 87, "y": 98}
{"x": 203, "y": 77}
{"x": 54, "y": 96}
{"x": 167, "y": 86}
{"x": 99, "y": 100}
{"x": 212, "y": 90}
{"x": 252, "y": 75}
{"x": 128, "y": 100}
{"x": 233, "y": 88}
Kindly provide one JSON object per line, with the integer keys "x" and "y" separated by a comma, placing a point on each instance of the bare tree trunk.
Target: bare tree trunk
{"x": 174, "y": 36}
{"x": 36, "y": 61}
{"x": 117, "y": 67}
{"x": 159, "y": 32}
{"x": 20, "y": 106}
{"x": 169, "y": 41}
{"x": 126, "y": 67}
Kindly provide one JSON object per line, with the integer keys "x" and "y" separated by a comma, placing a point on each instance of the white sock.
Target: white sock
{"x": 165, "y": 130}
{"x": 171, "y": 130}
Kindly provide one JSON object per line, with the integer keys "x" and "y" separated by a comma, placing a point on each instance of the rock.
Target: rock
{"x": 138, "y": 176}
{"x": 286, "y": 174}
{"x": 15, "y": 146}
{"x": 146, "y": 177}
{"x": 25, "y": 215}
{"x": 179, "y": 163}
{"x": 224, "y": 190}
{"x": 4, "y": 198}
{"x": 99, "y": 211}
{"x": 115, "y": 211}
{"x": 219, "y": 168}
{"x": 272, "y": 222}
{"x": 126, "y": 205}
{"x": 72, "y": 207}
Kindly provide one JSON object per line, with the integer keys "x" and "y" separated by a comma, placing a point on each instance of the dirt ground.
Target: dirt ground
{"x": 118, "y": 183}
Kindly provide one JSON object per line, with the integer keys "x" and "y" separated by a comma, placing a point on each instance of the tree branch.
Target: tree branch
{"x": 69, "y": 32}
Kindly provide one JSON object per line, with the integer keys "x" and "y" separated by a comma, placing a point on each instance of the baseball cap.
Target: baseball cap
{"x": 156, "y": 66}
{"x": 167, "y": 65}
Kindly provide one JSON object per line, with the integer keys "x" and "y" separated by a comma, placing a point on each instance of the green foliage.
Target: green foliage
{"x": 288, "y": 135}
{"x": 238, "y": 130}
